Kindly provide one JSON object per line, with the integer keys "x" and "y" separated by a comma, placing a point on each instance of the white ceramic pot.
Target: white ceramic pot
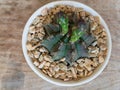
{"x": 56, "y": 81}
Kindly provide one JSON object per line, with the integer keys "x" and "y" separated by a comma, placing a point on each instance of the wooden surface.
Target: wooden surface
{"x": 15, "y": 74}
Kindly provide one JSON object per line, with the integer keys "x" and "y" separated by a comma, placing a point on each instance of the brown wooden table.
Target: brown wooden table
{"x": 15, "y": 74}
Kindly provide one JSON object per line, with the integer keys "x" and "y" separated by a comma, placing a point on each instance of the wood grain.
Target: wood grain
{"x": 15, "y": 74}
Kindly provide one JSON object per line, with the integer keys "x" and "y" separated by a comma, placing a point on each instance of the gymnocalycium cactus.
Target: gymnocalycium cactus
{"x": 69, "y": 37}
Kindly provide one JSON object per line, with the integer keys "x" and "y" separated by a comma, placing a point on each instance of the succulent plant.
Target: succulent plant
{"x": 66, "y": 36}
